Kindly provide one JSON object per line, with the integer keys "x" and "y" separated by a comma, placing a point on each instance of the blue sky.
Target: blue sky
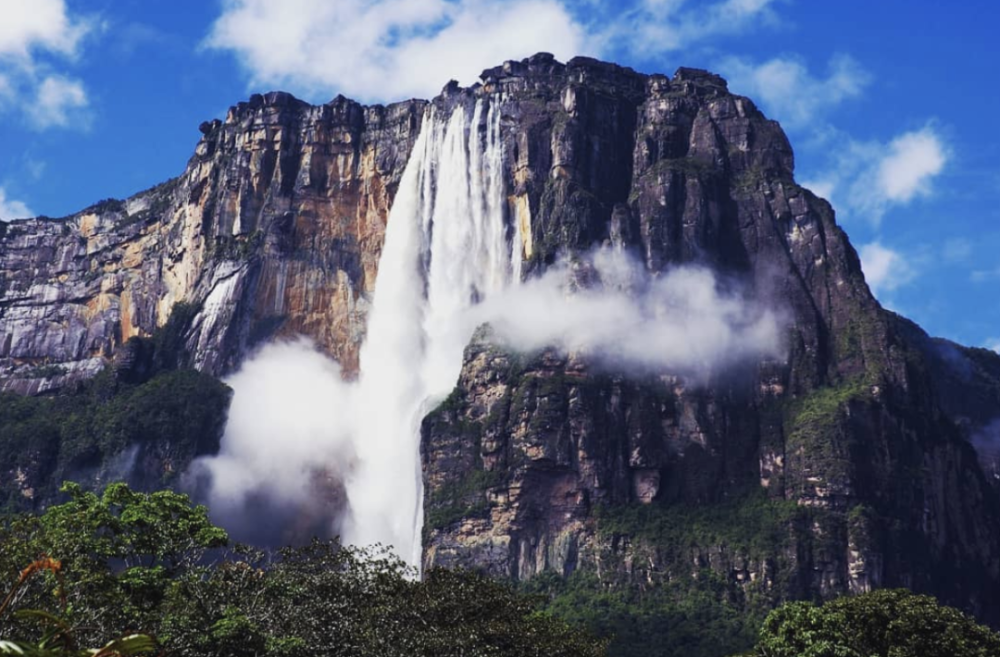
{"x": 891, "y": 105}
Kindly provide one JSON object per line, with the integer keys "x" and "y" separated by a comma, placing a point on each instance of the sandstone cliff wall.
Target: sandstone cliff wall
{"x": 274, "y": 228}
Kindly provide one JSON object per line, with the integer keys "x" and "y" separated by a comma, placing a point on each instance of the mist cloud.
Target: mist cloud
{"x": 289, "y": 428}
{"x": 623, "y": 317}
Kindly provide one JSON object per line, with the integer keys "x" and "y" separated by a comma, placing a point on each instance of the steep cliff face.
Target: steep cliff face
{"x": 274, "y": 228}
{"x": 533, "y": 457}
{"x": 847, "y": 465}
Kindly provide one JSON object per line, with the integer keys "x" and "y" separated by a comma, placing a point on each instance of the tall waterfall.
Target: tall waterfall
{"x": 445, "y": 250}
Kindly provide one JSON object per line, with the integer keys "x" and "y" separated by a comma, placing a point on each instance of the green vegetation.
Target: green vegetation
{"x": 821, "y": 406}
{"x": 136, "y": 566}
{"x": 749, "y": 179}
{"x": 167, "y": 342}
{"x": 58, "y": 637}
{"x": 235, "y": 247}
{"x": 888, "y": 623}
{"x": 462, "y": 499}
{"x": 687, "y": 616}
{"x": 82, "y": 433}
{"x": 813, "y": 425}
{"x": 684, "y": 606}
{"x": 130, "y": 560}
{"x": 755, "y": 524}
{"x": 105, "y": 206}
{"x": 177, "y": 415}
{"x": 44, "y": 372}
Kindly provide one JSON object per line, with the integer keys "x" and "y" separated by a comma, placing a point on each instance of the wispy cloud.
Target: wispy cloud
{"x": 12, "y": 209}
{"x": 790, "y": 93}
{"x": 867, "y": 179}
{"x": 656, "y": 27}
{"x": 994, "y": 344}
{"x": 885, "y": 269}
{"x": 60, "y": 102}
{"x": 914, "y": 159}
{"x": 385, "y": 50}
{"x": 984, "y": 275}
{"x": 37, "y": 42}
{"x": 957, "y": 250}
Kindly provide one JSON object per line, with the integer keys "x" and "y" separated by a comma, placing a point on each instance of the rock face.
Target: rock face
{"x": 851, "y": 462}
{"x": 864, "y": 429}
{"x": 274, "y": 228}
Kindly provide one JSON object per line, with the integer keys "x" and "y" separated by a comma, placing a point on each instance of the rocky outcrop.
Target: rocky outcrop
{"x": 274, "y": 228}
{"x": 532, "y": 458}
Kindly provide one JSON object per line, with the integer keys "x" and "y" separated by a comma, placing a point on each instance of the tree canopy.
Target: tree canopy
{"x": 135, "y": 565}
{"x": 884, "y": 623}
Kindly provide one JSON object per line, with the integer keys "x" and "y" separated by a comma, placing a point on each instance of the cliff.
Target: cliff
{"x": 274, "y": 228}
{"x": 536, "y": 461}
{"x": 850, "y": 464}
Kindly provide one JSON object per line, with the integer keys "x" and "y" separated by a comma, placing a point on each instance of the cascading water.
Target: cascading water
{"x": 445, "y": 250}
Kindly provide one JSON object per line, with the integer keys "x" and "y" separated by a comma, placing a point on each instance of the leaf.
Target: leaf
{"x": 133, "y": 644}
{"x": 43, "y": 616}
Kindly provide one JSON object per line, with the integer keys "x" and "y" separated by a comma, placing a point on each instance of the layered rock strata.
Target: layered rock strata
{"x": 274, "y": 228}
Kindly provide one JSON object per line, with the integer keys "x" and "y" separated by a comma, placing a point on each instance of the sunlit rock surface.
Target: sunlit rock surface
{"x": 274, "y": 228}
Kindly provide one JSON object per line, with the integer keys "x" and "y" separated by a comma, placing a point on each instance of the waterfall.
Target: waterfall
{"x": 445, "y": 250}
{"x": 294, "y": 421}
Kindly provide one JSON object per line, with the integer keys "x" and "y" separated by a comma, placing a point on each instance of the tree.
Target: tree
{"x": 138, "y": 564}
{"x": 885, "y": 623}
{"x": 118, "y": 553}
{"x": 58, "y": 636}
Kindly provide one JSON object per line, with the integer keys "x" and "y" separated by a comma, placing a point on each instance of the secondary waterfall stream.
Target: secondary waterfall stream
{"x": 445, "y": 250}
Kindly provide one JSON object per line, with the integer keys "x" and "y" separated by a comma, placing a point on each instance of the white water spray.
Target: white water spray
{"x": 445, "y": 250}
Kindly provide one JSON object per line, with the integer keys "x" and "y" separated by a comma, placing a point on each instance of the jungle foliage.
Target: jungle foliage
{"x": 153, "y": 565}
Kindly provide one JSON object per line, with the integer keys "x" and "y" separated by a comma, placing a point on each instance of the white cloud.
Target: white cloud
{"x": 868, "y": 179}
{"x": 885, "y": 269}
{"x": 12, "y": 209}
{"x": 34, "y": 168}
{"x": 957, "y": 250}
{"x": 914, "y": 159}
{"x": 656, "y": 27}
{"x": 59, "y": 103}
{"x": 37, "y": 39}
{"x": 386, "y": 50}
{"x": 993, "y": 344}
{"x": 28, "y": 27}
{"x": 790, "y": 93}
{"x": 294, "y": 421}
